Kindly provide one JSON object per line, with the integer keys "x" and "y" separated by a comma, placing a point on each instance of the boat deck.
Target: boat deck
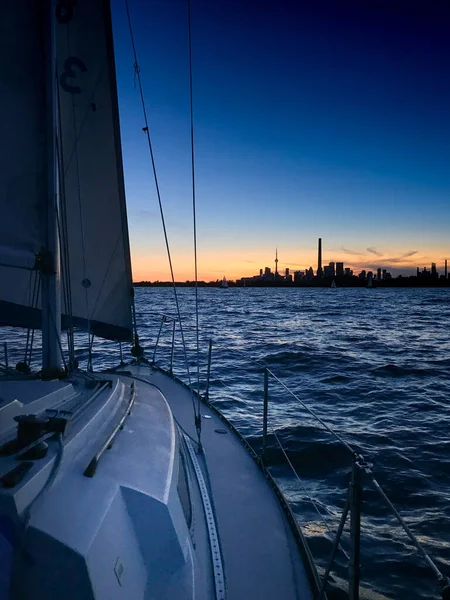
{"x": 249, "y": 516}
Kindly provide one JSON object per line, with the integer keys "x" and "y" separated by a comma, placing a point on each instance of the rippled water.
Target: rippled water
{"x": 374, "y": 364}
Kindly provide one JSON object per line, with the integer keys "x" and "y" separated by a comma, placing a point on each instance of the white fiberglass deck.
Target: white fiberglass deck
{"x": 260, "y": 556}
{"x": 127, "y": 530}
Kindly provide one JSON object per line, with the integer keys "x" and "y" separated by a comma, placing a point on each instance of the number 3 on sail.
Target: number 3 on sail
{"x": 69, "y": 73}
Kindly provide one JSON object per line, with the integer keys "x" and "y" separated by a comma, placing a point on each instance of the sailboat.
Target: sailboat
{"x": 224, "y": 283}
{"x": 119, "y": 484}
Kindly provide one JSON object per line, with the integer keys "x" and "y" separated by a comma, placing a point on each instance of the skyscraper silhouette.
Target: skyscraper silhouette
{"x": 319, "y": 259}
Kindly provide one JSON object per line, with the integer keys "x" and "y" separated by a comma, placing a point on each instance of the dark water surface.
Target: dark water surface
{"x": 374, "y": 364}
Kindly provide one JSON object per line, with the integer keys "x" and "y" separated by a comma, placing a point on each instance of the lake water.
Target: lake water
{"x": 373, "y": 364}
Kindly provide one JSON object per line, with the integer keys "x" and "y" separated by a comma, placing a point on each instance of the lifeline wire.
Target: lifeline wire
{"x": 158, "y": 194}
{"x": 306, "y": 407}
{"x": 191, "y": 106}
{"x": 310, "y": 498}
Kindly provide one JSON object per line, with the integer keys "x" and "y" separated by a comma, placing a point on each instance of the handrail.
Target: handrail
{"x": 92, "y": 466}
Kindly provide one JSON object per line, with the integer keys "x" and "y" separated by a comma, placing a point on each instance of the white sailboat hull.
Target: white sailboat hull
{"x": 137, "y": 527}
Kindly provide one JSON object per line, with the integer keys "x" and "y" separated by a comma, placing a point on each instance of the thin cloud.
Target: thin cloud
{"x": 373, "y": 250}
{"x": 400, "y": 259}
{"x": 393, "y": 260}
{"x": 353, "y": 252}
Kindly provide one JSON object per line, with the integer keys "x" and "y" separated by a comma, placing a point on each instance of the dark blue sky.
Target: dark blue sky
{"x": 325, "y": 119}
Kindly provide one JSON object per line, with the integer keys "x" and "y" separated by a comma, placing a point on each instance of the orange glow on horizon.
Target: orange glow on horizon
{"x": 215, "y": 265}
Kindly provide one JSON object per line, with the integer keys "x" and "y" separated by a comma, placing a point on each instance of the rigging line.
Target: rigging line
{"x": 306, "y": 407}
{"x": 57, "y": 337}
{"x": 35, "y": 301}
{"x": 80, "y": 209}
{"x": 87, "y": 111}
{"x": 225, "y": 385}
{"x": 441, "y": 578}
{"x": 108, "y": 266}
{"x": 194, "y": 216}
{"x": 64, "y": 232}
{"x": 65, "y": 277}
{"x": 310, "y": 498}
{"x": 16, "y": 267}
{"x": 38, "y": 276}
{"x": 158, "y": 194}
{"x": 184, "y": 431}
{"x": 91, "y": 344}
{"x": 31, "y": 302}
{"x": 250, "y": 359}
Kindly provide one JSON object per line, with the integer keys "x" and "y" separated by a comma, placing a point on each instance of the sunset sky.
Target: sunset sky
{"x": 324, "y": 119}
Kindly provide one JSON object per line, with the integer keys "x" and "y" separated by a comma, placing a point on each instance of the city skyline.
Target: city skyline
{"x": 323, "y": 120}
{"x": 235, "y": 267}
{"x": 324, "y": 269}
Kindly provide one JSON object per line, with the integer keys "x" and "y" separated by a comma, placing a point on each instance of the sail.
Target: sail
{"x": 22, "y": 156}
{"x": 96, "y": 257}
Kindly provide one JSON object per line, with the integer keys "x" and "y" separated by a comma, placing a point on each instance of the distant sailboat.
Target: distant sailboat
{"x": 369, "y": 282}
{"x": 224, "y": 283}
{"x": 333, "y": 284}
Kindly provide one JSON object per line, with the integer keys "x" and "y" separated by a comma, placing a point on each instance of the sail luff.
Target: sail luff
{"x": 118, "y": 148}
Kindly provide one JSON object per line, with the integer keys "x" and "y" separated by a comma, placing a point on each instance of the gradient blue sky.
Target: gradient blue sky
{"x": 326, "y": 119}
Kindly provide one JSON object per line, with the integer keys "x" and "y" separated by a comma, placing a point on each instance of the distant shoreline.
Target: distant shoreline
{"x": 344, "y": 282}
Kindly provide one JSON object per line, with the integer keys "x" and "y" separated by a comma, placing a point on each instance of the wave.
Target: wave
{"x": 393, "y": 370}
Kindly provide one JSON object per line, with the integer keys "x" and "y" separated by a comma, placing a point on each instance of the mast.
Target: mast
{"x": 49, "y": 257}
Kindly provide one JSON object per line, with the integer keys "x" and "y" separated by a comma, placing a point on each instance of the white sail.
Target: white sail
{"x": 22, "y": 156}
{"x": 92, "y": 179}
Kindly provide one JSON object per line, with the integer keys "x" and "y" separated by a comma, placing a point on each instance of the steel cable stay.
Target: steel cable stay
{"x": 67, "y": 301}
{"x": 62, "y": 225}
{"x": 146, "y": 130}
{"x": 194, "y": 216}
{"x": 33, "y": 300}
